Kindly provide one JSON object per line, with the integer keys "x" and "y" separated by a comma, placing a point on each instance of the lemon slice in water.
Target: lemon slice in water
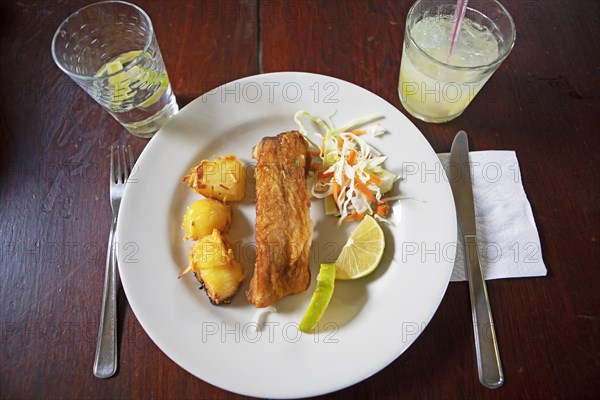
{"x": 361, "y": 255}
{"x": 320, "y": 298}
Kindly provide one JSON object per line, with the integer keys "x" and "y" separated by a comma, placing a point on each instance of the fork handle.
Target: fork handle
{"x": 105, "y": 362}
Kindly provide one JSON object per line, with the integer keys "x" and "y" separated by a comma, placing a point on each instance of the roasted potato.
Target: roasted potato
{"x": 202, "y": 216}
{"x": 221, "y": 179}
{"x": 215, "y": 267}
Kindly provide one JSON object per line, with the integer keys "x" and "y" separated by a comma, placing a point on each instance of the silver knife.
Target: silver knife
{"x": 486, "y": 346}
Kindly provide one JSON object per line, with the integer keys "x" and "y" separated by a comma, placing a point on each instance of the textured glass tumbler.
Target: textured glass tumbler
{"x": 435, "y": 86}
{"x": 109, "y": 49}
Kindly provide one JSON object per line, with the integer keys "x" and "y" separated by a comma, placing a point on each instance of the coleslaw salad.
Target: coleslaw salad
{"x": 349, "y": 175}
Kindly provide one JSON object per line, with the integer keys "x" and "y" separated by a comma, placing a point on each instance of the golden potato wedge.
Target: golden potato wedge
{"x": 202, "y": 216}
{"x": 215, "y": 267}
{"x": 221, "y": 179}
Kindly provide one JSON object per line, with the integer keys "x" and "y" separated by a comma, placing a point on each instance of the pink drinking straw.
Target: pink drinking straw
{"x": 459, "y": 16}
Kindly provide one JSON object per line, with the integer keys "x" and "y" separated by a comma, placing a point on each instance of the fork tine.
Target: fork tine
{"x": 128, "y": 157}
{"x": 112, "y": 164}
{"x": 131, "y": 162}
{"x": 119, "y": 170}
{"x": 124, "y": 169}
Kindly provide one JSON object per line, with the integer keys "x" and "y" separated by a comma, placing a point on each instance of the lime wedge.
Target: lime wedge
{"x": 362, "y": 253}
{"x": 320, "y": 298}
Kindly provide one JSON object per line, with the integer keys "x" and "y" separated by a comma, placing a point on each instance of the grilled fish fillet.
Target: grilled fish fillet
{"x": 283, "y": 224}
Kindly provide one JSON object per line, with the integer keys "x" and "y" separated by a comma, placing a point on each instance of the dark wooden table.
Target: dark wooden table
{"x": 543, "y": 103}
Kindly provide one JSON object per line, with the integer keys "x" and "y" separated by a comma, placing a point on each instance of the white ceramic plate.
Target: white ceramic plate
{"x": 369, "y": 322}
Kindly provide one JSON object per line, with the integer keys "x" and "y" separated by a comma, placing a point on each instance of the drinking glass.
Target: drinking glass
{"x": 435, "y": 86}
{"x": 109, "y": 49}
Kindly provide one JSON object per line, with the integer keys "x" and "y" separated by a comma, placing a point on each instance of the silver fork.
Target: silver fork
{"x": 105, "y": 362}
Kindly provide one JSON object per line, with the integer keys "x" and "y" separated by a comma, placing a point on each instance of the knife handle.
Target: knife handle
{"x": 486, "y": 346}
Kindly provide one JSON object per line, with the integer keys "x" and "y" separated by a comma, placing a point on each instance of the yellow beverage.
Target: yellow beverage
{"x": 436, "y": 88}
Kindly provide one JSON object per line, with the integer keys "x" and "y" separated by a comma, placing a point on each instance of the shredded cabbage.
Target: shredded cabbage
{"x": 349, "y": 174}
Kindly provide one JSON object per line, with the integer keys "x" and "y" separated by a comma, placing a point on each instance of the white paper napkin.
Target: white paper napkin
{"x": 509, "y": 244}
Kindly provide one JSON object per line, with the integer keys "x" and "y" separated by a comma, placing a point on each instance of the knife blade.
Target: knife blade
{"x": 489, "y": 366}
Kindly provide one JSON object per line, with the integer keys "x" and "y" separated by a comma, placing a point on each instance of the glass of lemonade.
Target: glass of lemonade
{"x": 109, "y": 49}
{"x": 437, "y": 88}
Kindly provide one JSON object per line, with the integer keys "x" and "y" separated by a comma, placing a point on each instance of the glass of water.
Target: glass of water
{"x": 109, "y": 49}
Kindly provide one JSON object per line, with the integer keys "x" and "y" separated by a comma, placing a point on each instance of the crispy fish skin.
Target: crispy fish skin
{"x": 283, "y": 224}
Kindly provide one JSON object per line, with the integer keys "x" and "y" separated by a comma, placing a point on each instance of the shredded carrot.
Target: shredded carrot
{"x": 355, "y": 217}
{"x": 336, "y": 192}
{"x": 352, "y": 157}
{"x": 314, "y": 166}
{"x": 382, "y": 209}
{"x": 326, "y": 175}
{"x": 357, "y": 132}
{"x": 323, "y": 147}
{"x": 361, "y": 187}
{"x": 340, "y": 142}
{"x": 374, "y": 179}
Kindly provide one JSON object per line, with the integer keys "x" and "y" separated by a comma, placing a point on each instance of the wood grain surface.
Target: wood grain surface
{"x": 543, "y": 103}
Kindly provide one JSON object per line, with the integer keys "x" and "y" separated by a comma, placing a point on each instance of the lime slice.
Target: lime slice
{"x": 130, "y": 56}
{"x": 159, "y": 92}
{"x": 117, "y": 81}
{"x": 117, "y": 64}
{"x": 320, "y": 298}
{"x": 127, "y": 84}
{"x": 362, "y": 253}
